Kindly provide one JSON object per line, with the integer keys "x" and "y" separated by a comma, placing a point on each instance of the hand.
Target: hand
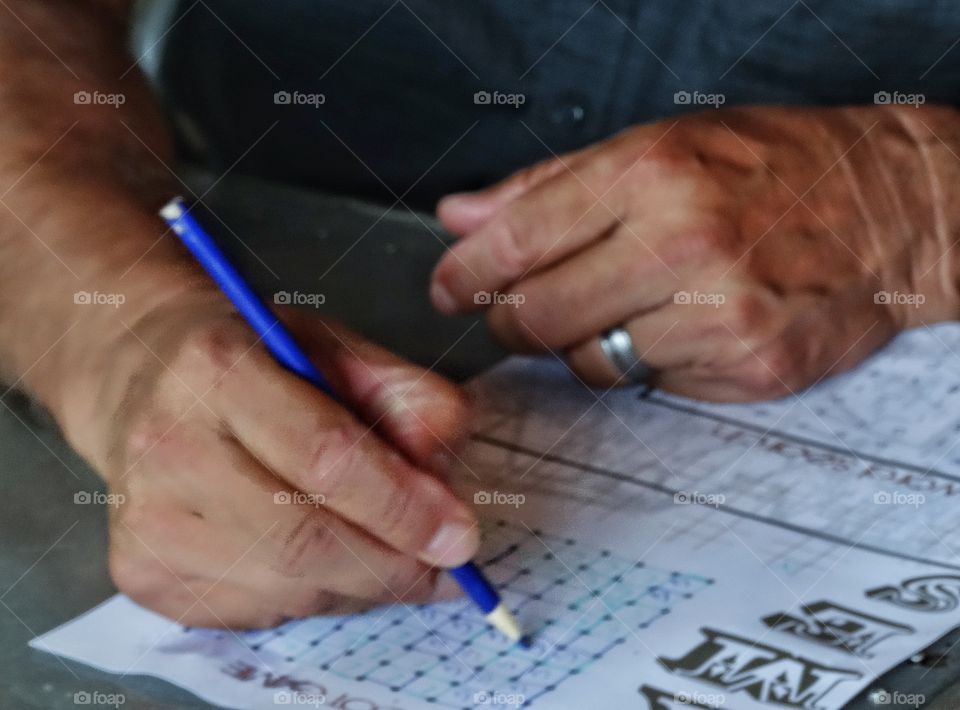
{"x": 748, "y": 252}
{"x": 248, "y": 496}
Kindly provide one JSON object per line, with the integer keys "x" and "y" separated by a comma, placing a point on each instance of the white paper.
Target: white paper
{"x": 665, "y": 553}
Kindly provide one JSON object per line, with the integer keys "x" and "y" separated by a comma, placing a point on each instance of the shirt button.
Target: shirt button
{"x": 570, "y": 114}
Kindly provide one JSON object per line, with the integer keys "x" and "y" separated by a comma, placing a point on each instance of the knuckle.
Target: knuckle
{"x": 528, "y": 177}
{"x": 606, "y": 167}
{"x": 332, "y": 455}
{"x": 703, "y": 244}
{"x": 773, "y": 372}
{"x": 510, "y": 245}
{"x": 535, "y": 316}
{"x": 659, "y": 152}
{"x": 215, "y": 347}
{"x": 145, "y": 435}
{"x": 747, "y": 315}
{"x": 515, "y": 326}
{"x": 397, "y": 514}
{"x": 135, "y": 577}
{"x": 303, "y": 543}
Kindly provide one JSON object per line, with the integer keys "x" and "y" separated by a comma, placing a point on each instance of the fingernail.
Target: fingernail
{"x": 455, "y": 543}
{"x": 442, "y": 299}
{"x": 455, "y": 200}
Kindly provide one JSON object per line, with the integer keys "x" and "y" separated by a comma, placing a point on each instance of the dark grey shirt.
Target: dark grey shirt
{"x": 401, "y": 114}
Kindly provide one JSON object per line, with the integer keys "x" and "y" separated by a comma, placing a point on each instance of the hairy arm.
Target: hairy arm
{"x": 79, "y": 183}
{"x": 227, "y": 468}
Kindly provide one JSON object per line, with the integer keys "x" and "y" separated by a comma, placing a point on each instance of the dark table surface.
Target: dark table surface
{"x": 373, "y": 269}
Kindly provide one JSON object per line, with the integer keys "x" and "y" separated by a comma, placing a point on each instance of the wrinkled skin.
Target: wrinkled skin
{"x": 747, "y": 251}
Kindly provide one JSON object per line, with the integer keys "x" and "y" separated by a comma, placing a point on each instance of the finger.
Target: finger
{"x": 552, "y": 220}
{"x": 464, "y": 212}
{"x": 154, "y": 573}
{"x": 421, "y": 413}
{"x": 220, "y": 603}
{"x": 205, "y": 605}
{"x": 692, "y": 383}
{"x": 230, "y": 519}
{"x": 317, "y": 447}
{"x": 593, "y": 290}
{"x": 294, "y": 538}
{"x": 675, "y": 336}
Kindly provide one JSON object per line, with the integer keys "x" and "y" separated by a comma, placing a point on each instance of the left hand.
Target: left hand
{"x": 749, "y": 252}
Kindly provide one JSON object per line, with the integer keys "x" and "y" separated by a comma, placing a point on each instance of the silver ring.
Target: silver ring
{"x": 617, "y": 345}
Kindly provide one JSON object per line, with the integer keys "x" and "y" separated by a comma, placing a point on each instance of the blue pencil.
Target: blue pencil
{"x": 284, "y": 348}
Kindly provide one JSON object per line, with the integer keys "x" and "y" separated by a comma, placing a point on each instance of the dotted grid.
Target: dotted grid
{"x": 578, "y": 601}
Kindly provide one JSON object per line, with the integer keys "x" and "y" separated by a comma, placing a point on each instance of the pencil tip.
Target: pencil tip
{"x": 503, "y": 620}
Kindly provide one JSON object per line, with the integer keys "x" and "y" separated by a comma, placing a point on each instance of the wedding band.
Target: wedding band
{"x": 617, "y": 345}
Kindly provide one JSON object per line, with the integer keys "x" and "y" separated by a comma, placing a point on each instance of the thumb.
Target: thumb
{"x": 423, "y": 415}
{"x": 465, "y": 212}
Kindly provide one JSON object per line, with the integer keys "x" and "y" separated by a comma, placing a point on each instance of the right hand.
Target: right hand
{"x": 250, "y": 497}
